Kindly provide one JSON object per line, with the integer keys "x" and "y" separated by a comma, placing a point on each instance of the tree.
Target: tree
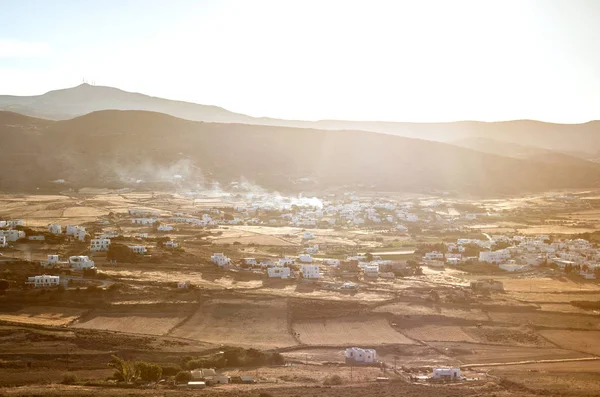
{"x": 120, "y": 252}
{"x": 183, "y": 377}
{"x": 369, "y": 256}
{"x": 125, "y": 370}
{"x": 148, "y": 371}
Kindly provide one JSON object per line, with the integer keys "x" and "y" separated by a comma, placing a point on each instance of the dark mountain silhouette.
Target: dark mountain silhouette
{"x": 83, "y": 99}
{"x": 115, "y": 148}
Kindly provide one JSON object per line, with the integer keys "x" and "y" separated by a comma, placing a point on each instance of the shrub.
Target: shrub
{"x": 69, "y": 379}
{"x": 334, "y": 380}
{"x": 183, "y": 377}
{"x": 148, "y": 371}
{"x": 170, "y": 369}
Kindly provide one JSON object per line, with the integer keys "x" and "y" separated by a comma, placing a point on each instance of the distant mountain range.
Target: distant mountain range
{"x": 115, "y": 148}
{"x": 580, "y": 140}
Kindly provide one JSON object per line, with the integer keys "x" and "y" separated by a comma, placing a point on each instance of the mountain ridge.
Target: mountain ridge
{"x": 72, "y": 102}
{"x": 115, "y": 148}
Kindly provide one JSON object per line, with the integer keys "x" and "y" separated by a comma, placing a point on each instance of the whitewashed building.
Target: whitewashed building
{"x": 494, "y": 256}
{"x": 357, "y": 355}
{"x": 310, "y": 271}
{"x": 446, "y": 373}
{"x": 12, "y": 235}
{"x": 250, "y": 261}
{"x": 81, "y": 262}
{"x": 308, "y": 236}
{"x": 171, "y": 244}
{"x": 286, "y": 261}
{"x": 164, "y": 228}
{"x": 138, "y": 249}
{"x": 55, "y": 228}
{"x": 3, "y": 242}
{"x": 44, "y": 281}
{"x": 371, "y": 270}
{"x": 305, "y": 258}
{"x": 14, "y": 223}
{"x": 143, "y": 221}
{"x": 434, "y": 255}
{"x": 99, "y": 244}
{"x": 220, "y": 259}
{"x": 279, "y": 272}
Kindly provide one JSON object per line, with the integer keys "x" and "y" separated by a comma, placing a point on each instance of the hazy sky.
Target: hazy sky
{"x": 417, "y": 60}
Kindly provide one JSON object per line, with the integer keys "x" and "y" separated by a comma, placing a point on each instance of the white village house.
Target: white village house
{"x": 138, "y": 249}
{"x": 356, "y": 355}
{"x": 310, "y": 271}
{"x": 279, "y": 272}
{"x": 171, "y": 244}
{"x": 44, "y": 281}
{"x": 99, "y": 244}
{"x": 164, "y": 228}
{"x": 3, "y": 242}
{"x": 446, "y": 373}
{"x": 12, "y": 235}
{"x": 81, "y": 262}
{"x": 220, "y": 259}
{"x": 55, "y": 228}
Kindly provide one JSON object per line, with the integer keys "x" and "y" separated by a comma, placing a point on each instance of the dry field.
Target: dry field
{"x": 402, "y": 308}
{"x": 548, "y": 285}
{"x": 547, "y": 319}
{"x": 142, "y": 323}
{"x": 432, "y": 333}
{"x": 507, "y": 336}
{"x": 247, "y": 323}
{"x": 471, "y": 353}
{"x": 348, "y": 331}
{"x": 43, "y": 315}
{"x": 582, "y": 341}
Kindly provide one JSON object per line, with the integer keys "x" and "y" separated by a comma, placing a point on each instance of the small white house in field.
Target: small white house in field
{"x": 55, "y": 228}
{"x": 332, "y": 262}
{"x": 371, "y": 270}
{"x": 250, "y": 261}
{"x": 165, "y": 228}
{"x": 81, "y": 262}
{"x": 310, "y": 271}
{"x": 308, "y": 236}
{"x": 52, "y": 260}
{"x": 171, "y": 244}
{"x": 312, "y": 250}
{"x": 286, "y": 261}
{"x": 80, "y": 233}
{"x": 138, "y": 249}
{"x": 305, "y": 258}
{"x": 220, "y": 259}
{"x": 446, "y": 373}
{"x": 143, "y": 221}
{"x": 12, "y": 235}
{"x": 70, "y": 230}
{"x": 357, "y": 355}
{"x": 44, "y": 281}
{"x": 13, "y": 223}
{"x": 183, "y": 284}
{"x": 494, "y": 256}
{"x": 3, "y": 242}
{"x": 279, "y": 272}
{"x": 434, "y": 255}
{"x": 99, "y": 244}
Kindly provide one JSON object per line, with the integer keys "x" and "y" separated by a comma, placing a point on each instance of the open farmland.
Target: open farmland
{"x": 43, "y": 315}
{"x": 582, "y": 341}
{"x": 438, "y": 333}
{"x": 475, "y": 353}
{"x": 348, "y": 331}
{"x": 251, "y": 323}
{"x": 135, "y": 323}
{"x": 404, "y": 308}
{"x": 548, "y": 319}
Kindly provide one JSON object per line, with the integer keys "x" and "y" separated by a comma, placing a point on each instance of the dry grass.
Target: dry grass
{"x": 348, "y": 331}
{"x": 149, "y": 324}
{"x": 403, "y": 308}
{"x": 248, "y": 323}
{"x": 547, "y": 319}
{"x": 439, "y": 333}
{"x": 582, "y": 341}
{"x": 43, "y": 315}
